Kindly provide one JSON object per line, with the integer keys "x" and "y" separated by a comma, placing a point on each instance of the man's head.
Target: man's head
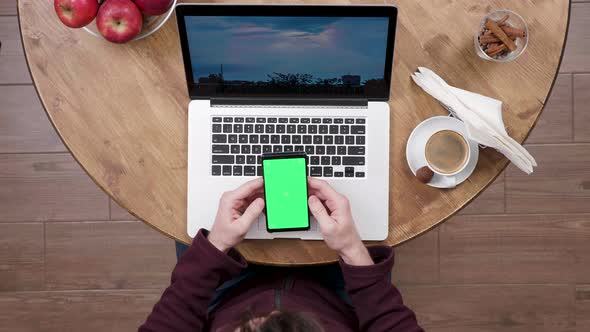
{"x": 280, "y": 321}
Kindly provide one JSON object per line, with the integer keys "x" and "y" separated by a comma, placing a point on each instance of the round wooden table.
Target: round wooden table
{"x": 122, "y": 109}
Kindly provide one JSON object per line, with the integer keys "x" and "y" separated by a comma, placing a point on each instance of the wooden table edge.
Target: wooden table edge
{"x": 426, "y": 230}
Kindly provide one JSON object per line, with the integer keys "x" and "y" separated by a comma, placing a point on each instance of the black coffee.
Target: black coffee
{"x": 446, "y": 151}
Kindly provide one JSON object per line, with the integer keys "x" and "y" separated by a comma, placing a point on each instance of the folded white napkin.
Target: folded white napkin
{"x": 482, "y": 117}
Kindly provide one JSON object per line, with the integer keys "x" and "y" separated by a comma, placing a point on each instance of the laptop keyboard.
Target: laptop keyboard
{"x": 335, "y": 146}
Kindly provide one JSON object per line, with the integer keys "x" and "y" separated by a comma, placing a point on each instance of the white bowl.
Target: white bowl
{"x": 151, "y": 24}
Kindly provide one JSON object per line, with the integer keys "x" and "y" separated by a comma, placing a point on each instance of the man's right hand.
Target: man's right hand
{"x": 332, "y": 211}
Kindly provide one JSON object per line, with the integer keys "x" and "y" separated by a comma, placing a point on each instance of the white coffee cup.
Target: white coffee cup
{"x": 447, "y": 152}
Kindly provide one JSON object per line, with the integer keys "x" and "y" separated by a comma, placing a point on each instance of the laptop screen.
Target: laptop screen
{"x": 288, "y": 56}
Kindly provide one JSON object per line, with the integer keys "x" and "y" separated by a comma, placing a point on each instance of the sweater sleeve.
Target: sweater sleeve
{"x": 377, "y": 303}
{"x": 201, "y": 269}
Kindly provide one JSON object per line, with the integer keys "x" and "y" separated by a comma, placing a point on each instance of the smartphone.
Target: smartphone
{"x": 285, "y": 191}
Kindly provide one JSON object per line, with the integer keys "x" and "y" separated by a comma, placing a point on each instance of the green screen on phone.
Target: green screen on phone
{"x": 285, "y": 191}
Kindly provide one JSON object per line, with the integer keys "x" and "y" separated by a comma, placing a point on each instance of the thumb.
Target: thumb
{"x": 318, "y": 210}
{"x": 252, "y": 212}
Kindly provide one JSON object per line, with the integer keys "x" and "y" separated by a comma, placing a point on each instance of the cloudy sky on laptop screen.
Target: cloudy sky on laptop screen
{"x": 249, "y": 49}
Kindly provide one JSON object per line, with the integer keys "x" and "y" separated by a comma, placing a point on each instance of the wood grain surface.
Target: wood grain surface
{"x": 122, "y": 109}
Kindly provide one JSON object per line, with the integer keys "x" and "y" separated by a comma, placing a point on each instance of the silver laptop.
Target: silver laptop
{"x": 279, "y": 78}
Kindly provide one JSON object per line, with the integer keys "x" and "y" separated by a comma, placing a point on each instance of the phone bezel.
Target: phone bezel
{"x": 285, "y": 155}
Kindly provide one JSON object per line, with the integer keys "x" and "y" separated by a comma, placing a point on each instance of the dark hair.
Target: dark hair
{"x": 282, "y": 321}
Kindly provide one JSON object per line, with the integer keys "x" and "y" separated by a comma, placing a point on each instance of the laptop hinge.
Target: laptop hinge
{"x": 255, "y": 101}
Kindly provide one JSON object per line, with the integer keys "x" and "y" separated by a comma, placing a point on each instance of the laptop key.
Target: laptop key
{"x": 280, "y": 129}
{"x": 272, "y": 120}
{"x": 250, "y": 120}
{"x": 328, "y": 171}
{"x": 220, "y": 148}
{"x": 349, "y": 172}
{"x": 269, "y": 129}
{"x": 216, "y": 128}
{"x": 336, "y": 160}
{"x": 306, "y": 139}
{"x": 240, "y": 159}
{"x": 299, "y": 148}
{"x": 359, "y": 174}
{"x": 338, "y": 174}
{"x": 256, "y": 149}
{"x": 216, "y": 119}
{"x": 342, "y": 150}
{"x": 233, "y": 138}
{"x": 288, "y": 148}
{"x": 259, "y": 170}
{"x": 353, "y": 161}
{"x": 216, "y": 169}
{"x": 235, "y": 149}
{"x": 312, "y": 129}
{"x": 249, "y": 170}
{"x": 360, "y": 121}
{"x": 296, "y": 139}
{"x": 360, "y": 140}
{"x": 334, "y": 129}
{"x": 222, "y": 159}
{"x": 238, "y": 128}
{"x": 357, "y": 130}
{"x": 316, "y": 120}
{"x": 326, "y": 120}
{"x": 253, "y": 139}
{"x": 349, "y": 121}
{"x": 356, "y": 150}
{"x": 305, "y": 120}
{"x": 291, "y": 129}
{"x": 325, "y": 160}
{"x": 227, "y": 119}
{"x": 266, "y": 149}
{"x": 243, "y": 139}
{"x": 237, "y": 170}
{"x": 275, "y": 139}
{"x": 320, "y": 149}
{"x": 283, "y": 120}
{"x": 259, "y": 129}
{"x": 323, "y": 129}
{"x": 219, "y": 138}
{"x": 339, "y": 121}
{"x": 317, "y": 139}
{"x": 314, "y": 160}
{"x": 251, "y": 159}
{"x": 285, "y": 139}
{"x": 315, "y": 171}
{"x": 339, "y": 140}
{"x": 344, "y": 129}
{"x": 227, "y": 128}
{"x": 328, "y": 139}
{"x": 349, "y": 140}
{"x": 239, "y": 119}
{"x": 226, "y": 170}
{"x": 259, "y": 159}
{"x": 245, "y": 149}
{"x": 331, "y": 150}
{"x": 294, "y": 120}
{"x": 260, "y": 120}
{"x": 249, "y": 129}
{"x": 309, "y": 149}
{"x": 301, "y": 129}
{"x": 264, "y": 139}
{"x": 277, "y": 148}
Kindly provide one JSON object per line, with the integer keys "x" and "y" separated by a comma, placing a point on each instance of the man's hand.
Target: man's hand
{"x": 237, "y": 210}
{"x": 332, "y": 211}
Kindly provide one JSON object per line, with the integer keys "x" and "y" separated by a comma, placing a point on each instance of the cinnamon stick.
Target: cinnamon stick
{"x": 488, "y": 39}
{"x": 502, "y": 20}
{"x": 512, "y": 32}
{"x": 497, "y": 50}
{"x": 498, "y": 32}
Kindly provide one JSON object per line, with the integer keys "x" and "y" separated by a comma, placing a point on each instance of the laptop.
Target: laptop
{"x": 279, "y": 78}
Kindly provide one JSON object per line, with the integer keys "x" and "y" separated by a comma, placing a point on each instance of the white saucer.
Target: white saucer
{"x": 417, "y": 142}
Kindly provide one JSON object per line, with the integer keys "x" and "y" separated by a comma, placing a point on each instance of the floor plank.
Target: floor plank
{"x": 416, "y": 261}
{"x": 561, "y": 183}
{"x": 577, "y": 51}
{"x": 107, "y": 255}
{"x": 510, "y": 249}
{"x": 582, "y": 107}
{"x": 21, "y": 257}
{"x": 493, "y": 308}
{"x": 37, "y": 187}
{"x": 490, "y": 201}
{"x": 24, "y": 126}
{"x": 583, "y": 308}
{"x": 13, "y": 70}
{"x": 76, "y": 310}
{"x": 119, "y": 213}
{"x": 10, "y": 36}
{"x": 556, "y": 122}
{"x": 7, "y": 7}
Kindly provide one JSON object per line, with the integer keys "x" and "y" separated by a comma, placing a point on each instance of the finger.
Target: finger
{"x": 319, "y": 211}
{"x": 323, "y": 189}
{"x": 252, "y": 212}
{"x": 247, "y": 189}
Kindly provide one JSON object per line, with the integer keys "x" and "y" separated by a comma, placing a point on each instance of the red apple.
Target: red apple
{"x": 119, "y": 21}
{"x": 153, "y": 7}
{"x": 76, "y": 13}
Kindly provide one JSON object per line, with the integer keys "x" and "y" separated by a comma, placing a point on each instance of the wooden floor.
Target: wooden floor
{"x": 517, "y": 259}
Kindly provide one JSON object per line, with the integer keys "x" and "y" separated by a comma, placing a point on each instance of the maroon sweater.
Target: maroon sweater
{"x": 377, "y": 304}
